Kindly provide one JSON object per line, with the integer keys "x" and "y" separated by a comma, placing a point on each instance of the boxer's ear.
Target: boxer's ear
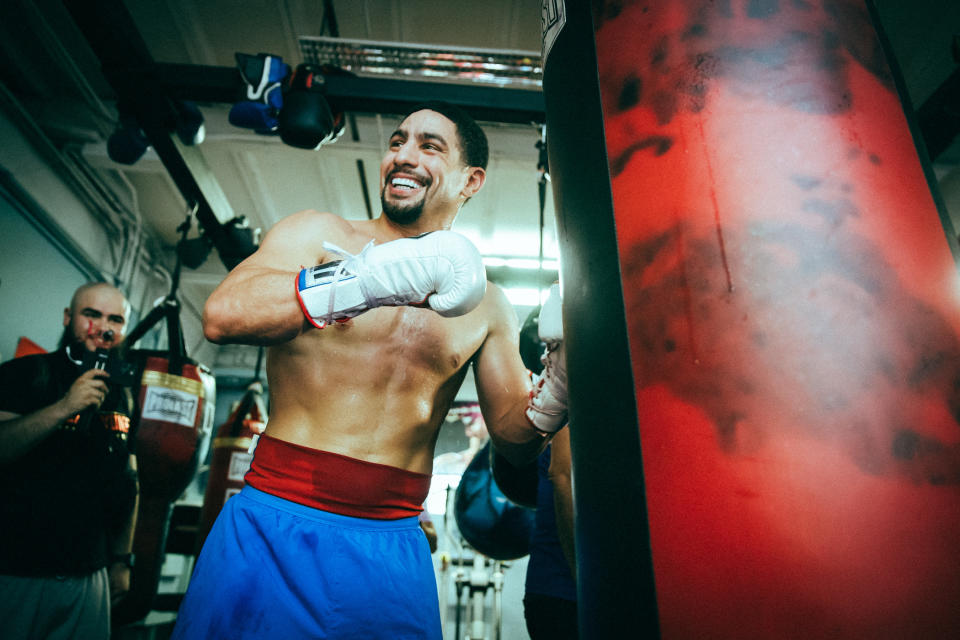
{"x": 475, "y": 179}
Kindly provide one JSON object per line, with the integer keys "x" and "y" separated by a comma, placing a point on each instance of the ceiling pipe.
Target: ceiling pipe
{"x": 129, "y": 68}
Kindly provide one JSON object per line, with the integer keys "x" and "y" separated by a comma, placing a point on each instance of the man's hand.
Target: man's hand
{"x": 431, "y": 532}
{"x": 442, "y": 270}
{"x": 119, "y": 574}
{"x": 89, "y": 390}
{"x": 547, "y": 409}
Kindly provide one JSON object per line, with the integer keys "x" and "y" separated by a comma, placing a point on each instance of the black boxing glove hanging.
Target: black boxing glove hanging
{"x": 306, "y": 120}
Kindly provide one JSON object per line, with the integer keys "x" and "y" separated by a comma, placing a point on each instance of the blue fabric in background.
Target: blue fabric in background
{"x": 548, "y": 573}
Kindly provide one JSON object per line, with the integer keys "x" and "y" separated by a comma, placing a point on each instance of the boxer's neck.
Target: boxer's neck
{"x": 387, "y": 228}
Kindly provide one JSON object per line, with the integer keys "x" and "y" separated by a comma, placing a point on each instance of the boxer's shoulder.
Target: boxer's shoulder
{"x": 299, "y": 237}
{"x": 496, "y": 312}
{"x": 311, "y": 221}
{"x": 495, "y": 298}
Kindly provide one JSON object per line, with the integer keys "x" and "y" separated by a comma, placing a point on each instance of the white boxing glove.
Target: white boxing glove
{"x": 441, "y": 268}
{"x": 547, "y": 408}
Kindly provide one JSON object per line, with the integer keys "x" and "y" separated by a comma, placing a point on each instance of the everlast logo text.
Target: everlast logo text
{"x": 173, "y": 406}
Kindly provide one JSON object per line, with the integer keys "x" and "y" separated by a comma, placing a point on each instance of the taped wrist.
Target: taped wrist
{"x": 547, "y": 407}
{"x": 544, "y": 410}
{"x": 339, "y": 290}
{"x": 329, "y": 293}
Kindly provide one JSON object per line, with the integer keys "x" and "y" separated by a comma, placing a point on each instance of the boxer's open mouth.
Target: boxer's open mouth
{"x": 405, "y": 184}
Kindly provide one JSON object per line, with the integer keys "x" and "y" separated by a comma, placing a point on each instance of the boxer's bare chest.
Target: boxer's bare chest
{"x": 388, "y": 347}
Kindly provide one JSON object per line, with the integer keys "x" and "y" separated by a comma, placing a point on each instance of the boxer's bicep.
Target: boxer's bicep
{"x": 256, "y": 303}
{"x": 500, "y": 374}
{"x": 292, "y": 243}
{"x": 503, "y": 384}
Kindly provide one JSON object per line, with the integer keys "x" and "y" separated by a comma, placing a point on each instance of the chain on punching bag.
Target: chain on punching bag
{"x": 170, "y": 432}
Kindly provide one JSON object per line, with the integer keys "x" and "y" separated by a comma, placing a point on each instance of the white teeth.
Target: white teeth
{"x": 404, "y": 182}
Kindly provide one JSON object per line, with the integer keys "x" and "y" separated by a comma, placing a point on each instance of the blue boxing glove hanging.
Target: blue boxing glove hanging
{"x": 263, "y": 75}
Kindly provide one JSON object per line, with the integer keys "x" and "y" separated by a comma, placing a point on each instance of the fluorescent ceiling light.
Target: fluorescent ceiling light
{"x": 405, "y": 60}
{"x": 525, "y": 297}
{"x": 521, "y": 263}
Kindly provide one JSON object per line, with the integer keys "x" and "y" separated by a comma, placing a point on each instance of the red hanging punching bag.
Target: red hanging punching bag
{"x": 170, "y": 434}
{"x": 170, "y": 431}
{"x": 791, "y": 300}
{"x": 233, "y": 448}
{"x": 171, "y": 409}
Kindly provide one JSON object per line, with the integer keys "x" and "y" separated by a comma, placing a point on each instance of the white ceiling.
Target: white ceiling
{"x": 41, "y": 52}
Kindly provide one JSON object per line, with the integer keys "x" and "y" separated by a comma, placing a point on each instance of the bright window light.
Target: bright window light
{"x": 524, "y": 297}
{"x": 436, "y": 502}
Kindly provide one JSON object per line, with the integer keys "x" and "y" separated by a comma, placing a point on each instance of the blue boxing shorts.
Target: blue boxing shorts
{"x": 275, "y": 569}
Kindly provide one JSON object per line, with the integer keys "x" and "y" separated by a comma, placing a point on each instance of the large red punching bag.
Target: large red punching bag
{"x": 791, "y": 304}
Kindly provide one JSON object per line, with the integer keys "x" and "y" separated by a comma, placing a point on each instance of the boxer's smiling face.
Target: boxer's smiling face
{"x": 423, "y": 169}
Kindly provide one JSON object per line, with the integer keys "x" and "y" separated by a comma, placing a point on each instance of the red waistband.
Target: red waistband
{"x": 336, "y": 483}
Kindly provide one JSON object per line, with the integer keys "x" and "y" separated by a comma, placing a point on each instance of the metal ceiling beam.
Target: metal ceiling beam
{"x": 387, "y": 95}
{"x": 127, "y": 65}
{"x": 364, "y": 94}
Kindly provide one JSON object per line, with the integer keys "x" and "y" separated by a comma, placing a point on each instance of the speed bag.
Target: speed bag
{"x": 489, "y": 521}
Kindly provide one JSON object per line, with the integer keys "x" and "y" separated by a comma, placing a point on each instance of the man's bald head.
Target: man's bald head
{"x": 97, "y": 316}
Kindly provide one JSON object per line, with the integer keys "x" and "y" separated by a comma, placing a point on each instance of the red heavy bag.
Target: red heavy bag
{"x": 793, "y": 321}
{"x": 233, "y": 448}
{"x": 170, "y": 435}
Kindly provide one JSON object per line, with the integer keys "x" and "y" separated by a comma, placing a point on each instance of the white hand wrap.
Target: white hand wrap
{"x": 441, "y": 268}
{"x": 547, "y": 408}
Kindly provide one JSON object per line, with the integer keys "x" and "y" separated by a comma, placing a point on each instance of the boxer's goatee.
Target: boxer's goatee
{"x": 402, "y": 214}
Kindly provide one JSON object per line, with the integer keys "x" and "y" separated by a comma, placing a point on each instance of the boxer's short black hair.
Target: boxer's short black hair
{"x": 473, "y": 141}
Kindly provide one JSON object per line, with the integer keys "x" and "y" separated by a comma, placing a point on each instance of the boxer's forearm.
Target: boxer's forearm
{"x": 503, "y": 387}
{"x": 561, "y": 478}
{"x": 254, "y": 306}
{"x": 514, "y": 437}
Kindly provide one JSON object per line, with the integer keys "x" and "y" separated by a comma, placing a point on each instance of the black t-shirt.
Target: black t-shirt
{"x": 63, "y": 500}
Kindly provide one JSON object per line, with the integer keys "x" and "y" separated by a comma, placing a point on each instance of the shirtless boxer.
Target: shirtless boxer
{"x": 367, "y": 352}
